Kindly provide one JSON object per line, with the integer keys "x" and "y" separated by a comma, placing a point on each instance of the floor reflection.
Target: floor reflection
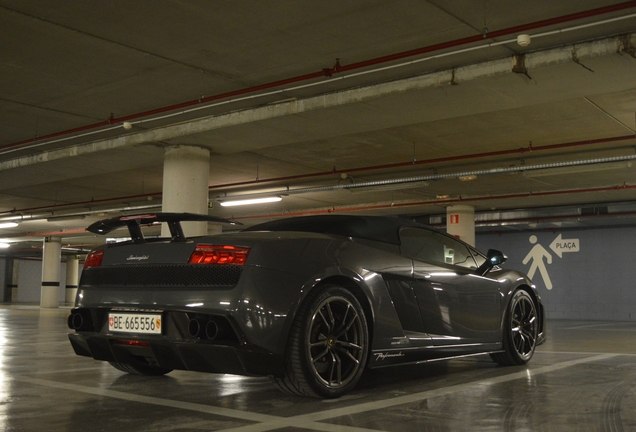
{"x": 567, "y": 386}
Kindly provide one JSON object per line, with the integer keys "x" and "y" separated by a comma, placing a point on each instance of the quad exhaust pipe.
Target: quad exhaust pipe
{"x": 211, "y": 330}
{"x": 201, "y": 326}
{"x": 75, "y": 321}
{"x": 194, "y": 327}
{"x": 80, "y": 320}
{"x": 203, "y": 329}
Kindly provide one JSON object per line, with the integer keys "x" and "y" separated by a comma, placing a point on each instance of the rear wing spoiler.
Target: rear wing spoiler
{"x": 134, "y": 223}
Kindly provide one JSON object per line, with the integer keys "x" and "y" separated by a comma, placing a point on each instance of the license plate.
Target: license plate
{"x": 134, "y": 323}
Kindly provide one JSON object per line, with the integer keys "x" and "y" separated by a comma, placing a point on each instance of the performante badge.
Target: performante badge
{"x": 384, "y": 356}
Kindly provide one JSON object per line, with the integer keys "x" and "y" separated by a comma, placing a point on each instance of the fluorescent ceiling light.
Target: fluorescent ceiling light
{"x": 111, "y": 240}
{"x": 8, "y": 224}
{"x": 251, "y": 201}
{"x": 4, "y": 245}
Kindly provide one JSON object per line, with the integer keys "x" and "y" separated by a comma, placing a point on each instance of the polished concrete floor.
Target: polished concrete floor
{"x": 583, "y": 379}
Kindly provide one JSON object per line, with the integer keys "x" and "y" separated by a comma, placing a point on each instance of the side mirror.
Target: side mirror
{"x": 493, "y": 258}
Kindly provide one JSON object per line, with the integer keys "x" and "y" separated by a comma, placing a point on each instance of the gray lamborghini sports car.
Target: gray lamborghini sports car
{"x": 309, "y": 301}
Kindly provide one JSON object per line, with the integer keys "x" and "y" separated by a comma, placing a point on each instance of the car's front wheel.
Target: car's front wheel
{"x": 520, "y": 330}
{"x": 328, "y": 345}
{"x": 140, "y": 369}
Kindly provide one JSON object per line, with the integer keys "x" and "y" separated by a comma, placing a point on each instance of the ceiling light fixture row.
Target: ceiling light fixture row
{"x": 561, "y": 167}
{"x": 393, "y": 184}
{"x": 13, "y": 221}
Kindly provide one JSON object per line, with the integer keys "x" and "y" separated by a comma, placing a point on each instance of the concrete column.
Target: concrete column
{"x": 215, "y": 229}
{"x": 186, "y": 170}
{"x": 72, "y": 277}
{"x": 51, "y": 263}
{"x": 14, "y": 281}
{"x": 460, "y": 222}
{"x": 8, "y": 279}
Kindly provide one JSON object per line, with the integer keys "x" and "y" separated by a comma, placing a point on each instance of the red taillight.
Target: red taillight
{"x": 94, "y": 259}
{"x": 212, "y": 254}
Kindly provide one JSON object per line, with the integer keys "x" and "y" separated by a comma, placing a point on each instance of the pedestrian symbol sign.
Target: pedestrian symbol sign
{"x": 539, "y": 257}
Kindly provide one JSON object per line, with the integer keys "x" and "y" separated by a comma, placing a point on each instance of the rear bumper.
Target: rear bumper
{"x": 182, "y": 355}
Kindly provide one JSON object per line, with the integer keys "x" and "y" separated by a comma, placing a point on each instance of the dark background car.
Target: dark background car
{"x": 310, "y": 301}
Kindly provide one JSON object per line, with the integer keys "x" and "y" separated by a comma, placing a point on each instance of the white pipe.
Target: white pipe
{"x": 318, "y": 83}
{"x": 417, "y": 179}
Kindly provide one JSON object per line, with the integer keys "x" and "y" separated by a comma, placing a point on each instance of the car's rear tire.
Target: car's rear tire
{"x": 140, "y": 369}
{"x": 328, "y": 345}
{"x": 521, "y": 325}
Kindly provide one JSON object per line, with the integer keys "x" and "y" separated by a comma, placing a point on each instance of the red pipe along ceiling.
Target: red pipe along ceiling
{"x": 431, "y": 202}
{"x": 510, "y": 152}
{"x": 440, "y": 202}
{"x": 521, "y": 150}
{"x": 328, "y": 72}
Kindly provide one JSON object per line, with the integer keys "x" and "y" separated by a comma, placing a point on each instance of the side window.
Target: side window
{"x": 419, "y": 244}
{"x": 428, "y": 245}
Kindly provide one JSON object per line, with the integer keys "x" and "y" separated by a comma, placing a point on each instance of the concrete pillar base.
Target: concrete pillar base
{"x": 50, "y": 297}
{"x": 72, "y": 276}
{"x": 51, "y": 263}
{"x": 15, "y": 281}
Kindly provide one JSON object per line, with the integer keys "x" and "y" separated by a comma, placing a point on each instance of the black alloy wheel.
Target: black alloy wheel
{"x": 520, "y": 331}
{"x": 328, "y": 346}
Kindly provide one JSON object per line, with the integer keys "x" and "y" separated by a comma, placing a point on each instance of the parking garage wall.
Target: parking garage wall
{"x": 580, "y": 274}
{"x": 30, "y": 281}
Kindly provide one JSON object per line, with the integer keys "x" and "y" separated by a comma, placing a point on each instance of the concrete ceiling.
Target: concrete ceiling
{"x": 421, "y": 89}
